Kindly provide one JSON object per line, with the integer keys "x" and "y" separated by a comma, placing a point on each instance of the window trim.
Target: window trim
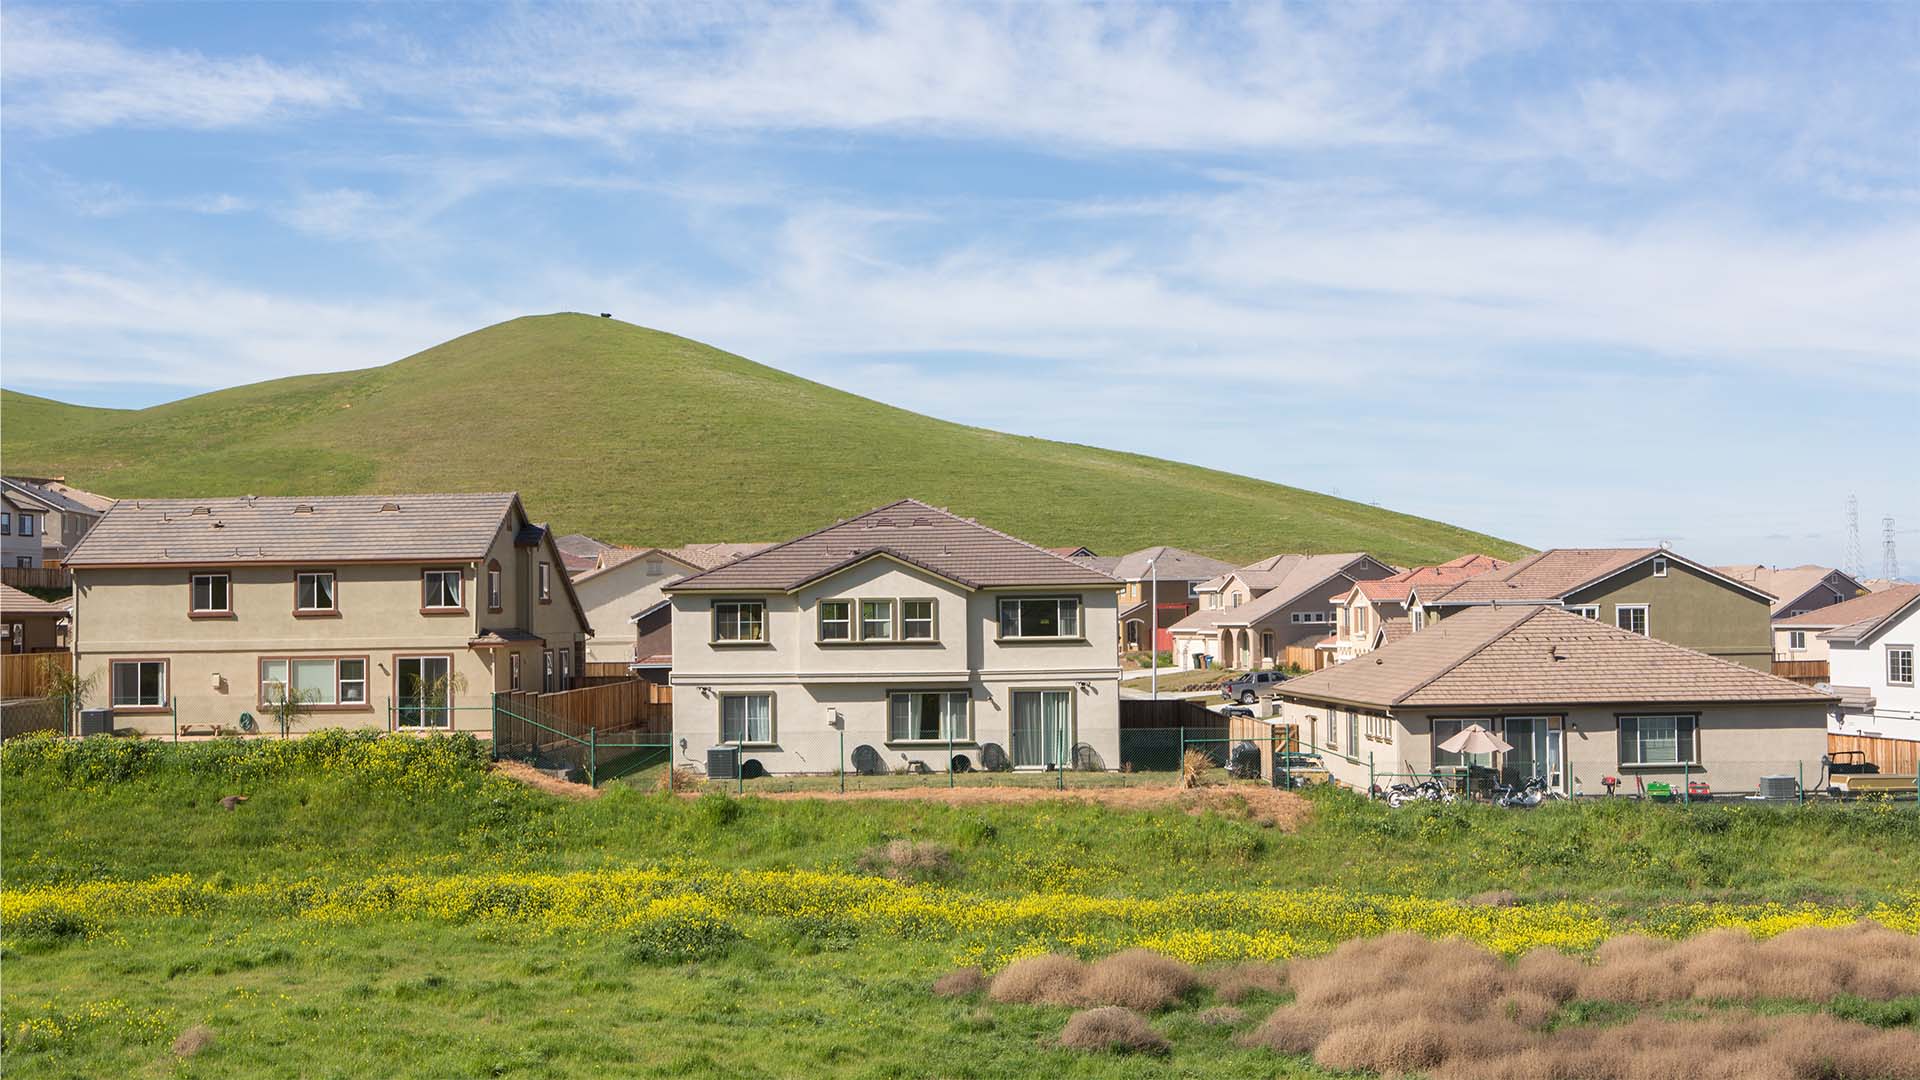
{"x": 932, "y": 620}
{"x": 893, "y": 620}
{"x": 366, "y": 680}
{"x": 1585, "y": 611}
{"x": 460, "y": 590}
{"x": 544, "y": 581}
{"x": 450, "y": 706}
{"x": 773, "y": 709}
{"x": 1796, "y": 641}
{"x": 547, "y": 671}
{"x": 496, "y": 591}
{"x": 764, "y": 641}
{"x": 1620, "y": 739}
{"x": 1646, "y": 617}
{"x": 999, "y": 621}
{"x": 6, "y": 523}
{"x": 193, "y": 578}
{"x": 166, "y": 684}
{"x": 1901, "y": 648}
{"x": 516, "y": 666}
{"x": 967, "y": 740}
{"x": 1659, "y": 566}
{"x": 820, "y": 622}
{"x": 26, "y": 523}
{"x": 333, "y": 594}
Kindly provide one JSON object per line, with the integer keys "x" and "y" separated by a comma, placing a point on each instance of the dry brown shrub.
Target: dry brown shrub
{"x": 1054, "y": 979}
{"x": 192, "y": 1041}
{"x": 1194, "y": 766}
{"x": 1137, "y": 979}
{"x": 1549, "y": 972}
{"x": 1528, "y": 1008}
{"x": 1110, "y": 1027}
{"x": 907, "y": 860}
{"x": 1494, "y": 898}
{"x": 1392, "y": 1047}
{"x": 1290, "y": 1029}
{"x": 1220, "y": 1016}
{"x": 1812, "y": 964}
{"x": 965, "y": 982}
{"x": 1238, "y": 982}
{"x": 677, "y": 779}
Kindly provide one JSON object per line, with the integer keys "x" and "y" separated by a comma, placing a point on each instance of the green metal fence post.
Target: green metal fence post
{"x": 949, "y": 754}
{"x": 1180, "y": 763}
{"x": 1371, "y": 781}
{"x": 843, "y": 758}
{"x": 593, "y": 757}
{"x": 1686, "y": 775}
{"x": 173, "y": 710}
{"x": 1800, "y": 783}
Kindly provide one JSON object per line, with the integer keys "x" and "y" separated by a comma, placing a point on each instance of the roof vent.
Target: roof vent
{"x": 219, "y": 524}
{"x": 1553, "y": 651}
{"x": 203, "y": 511}
{"x": 303, "y": 508}
{"x": 390, "y": 508}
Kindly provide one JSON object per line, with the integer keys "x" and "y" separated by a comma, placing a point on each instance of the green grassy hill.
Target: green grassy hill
{"x": 639, "y": 436}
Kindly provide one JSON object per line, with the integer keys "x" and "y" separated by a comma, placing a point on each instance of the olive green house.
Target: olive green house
{"x": 1649, "y": 591}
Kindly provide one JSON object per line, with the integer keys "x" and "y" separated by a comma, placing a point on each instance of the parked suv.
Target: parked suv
{"x": 1247, "y": 688}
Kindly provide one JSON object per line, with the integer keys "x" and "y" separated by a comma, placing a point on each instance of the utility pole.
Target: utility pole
{"x": 1889, "y": 558}
{"x": 1153, "y": 624}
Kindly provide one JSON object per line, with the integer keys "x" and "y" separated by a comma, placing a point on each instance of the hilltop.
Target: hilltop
{"x": 636, "y": 435}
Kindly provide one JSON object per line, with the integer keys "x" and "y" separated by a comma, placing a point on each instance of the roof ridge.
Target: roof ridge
{"x": 803, "y": 536}
{"x": 1475, "y": 651}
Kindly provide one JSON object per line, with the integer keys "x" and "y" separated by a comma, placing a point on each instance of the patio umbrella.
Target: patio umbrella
{"x": 1474, "y": 739}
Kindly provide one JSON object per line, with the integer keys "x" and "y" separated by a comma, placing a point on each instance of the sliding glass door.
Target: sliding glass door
{"x": 1042, "y": 727}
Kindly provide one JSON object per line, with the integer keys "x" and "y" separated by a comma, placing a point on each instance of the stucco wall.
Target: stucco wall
{"x": 1687, "y": 607}
{"x": 1896, "y": 712}
{"x": 613, "y": 597}
{"x": 1813, "y": 647}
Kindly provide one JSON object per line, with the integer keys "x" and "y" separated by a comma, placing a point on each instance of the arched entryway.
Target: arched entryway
{"x": 1136, "y": 635}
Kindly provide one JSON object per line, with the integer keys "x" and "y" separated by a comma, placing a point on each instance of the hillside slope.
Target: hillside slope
{"x": 639, "y": 436}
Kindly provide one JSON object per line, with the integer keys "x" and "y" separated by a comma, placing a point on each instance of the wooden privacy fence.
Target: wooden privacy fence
{"x": 37, "y": 577}
{"x": 1895, "y": 757}
{"x": 24, "y": 675}
{"x": 632, "y": 705}
{"x": 1302, "y": 657}
{"x": 603, "y": 669}
{"x": 1806, "y": 672}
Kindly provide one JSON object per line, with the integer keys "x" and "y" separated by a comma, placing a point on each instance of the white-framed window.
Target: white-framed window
{"x": 1796, "y": 611}
{"x": 546, "y": 582}
{"x": 836, "y": 620}
{"x": 1631, "y": 617}
{"x": 565, "y": 657}
{"x": 425, "y": 691}
{"x": 1419, "y": 619}
{"x": 1659, "y": 740}
{"x": 1900, "y": 665}
{"x": 1040, "y": 617}
{"x": 1312, "y": 617}
{"x": 212, "y": 594}
{"x": 313, "y": 591}
{"x": 1233, "y": 600}
{"x": 929, "y": 716}
{"x": 493, "y": 586}
{"x": 876, "y": 620}
{"x": 514, "y": 665}
{"x": 1588, "y": 611}
{"x": 546, "y": 671}
{"x": 26, "y": 524}
{"x": 139, "y": 684}
{"x": 916, "y": 620}
{"x": 1796, "y": 640}
{"x": 746, "y": 719}
{"x": 323, "y": 680}
{"x": 1659, "y": 566}
{"x": 740, "y": 620}
{"x": 440, "y": 590}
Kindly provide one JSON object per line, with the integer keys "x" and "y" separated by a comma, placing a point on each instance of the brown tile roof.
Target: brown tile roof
{"x": 59, "y": 495}
{"x": 1175, "y": 564}
{"x": 1285, "y": 579}
{"x": 1393, "y": 630}
{"x": 279, "y": 529}
{"x": 698, "y": 556}
{"x": 511, "y": 635}
{"x": 1859, "y": 618}
{"x": 1552, "y": 574}
{"x": 1078, "y": 551}
{"x": 1789, "y": 584}
{"x": 944, "y": 543}
{"x": 1438, "y": 578}
{"x": 1526, "y": 656}
{"x": 15, "y": 602}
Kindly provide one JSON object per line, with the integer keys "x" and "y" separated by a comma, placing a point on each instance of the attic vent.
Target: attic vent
{"x": 303, "y": 508}
{"x": 389, "y": 508}
{"x": 203, "y": 511}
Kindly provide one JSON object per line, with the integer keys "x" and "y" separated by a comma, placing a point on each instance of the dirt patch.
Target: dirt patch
{"x": 541, "y": 781}
{"x": 1266, "y": 805}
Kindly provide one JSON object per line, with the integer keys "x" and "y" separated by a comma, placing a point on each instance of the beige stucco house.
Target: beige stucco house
{"x": 30, "y": 624}
{"x": 1249, "y": 618}
{"x": 622, "y": 594}
{"x": 396, "y": 611}
{"x": 911, "y": 631}
{"x": 68, "y": 512}
{"x": 1374, "y": 612}
{"x": 1578, "y": 700}
{"x": 1159, "y": 587}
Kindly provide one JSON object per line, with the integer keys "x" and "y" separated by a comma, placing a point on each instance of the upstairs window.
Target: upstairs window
{"x": 212, "y": 594}
{"x": 1039, "y": 617}
{"x": 6, "y": 523}
{"x": 916, "y": 620}
{"x": 26, "y": 524}
{"x": 1587, "y": 611}
{"x": 440, "y": 590}
{"x": 1796, "y": 640}
{"x": 836, "y": 620}
{"x": 739, "y": 621}
{"x": 876, "y": 620}
{"x": 1631, "y": 618}
{"x": 656, "y": 567}
{"x": 546, "y": 583}
{"x": 313, "y": 591}
{"x": 1659, "y": 567}
{"x": 493, "y": 586}
{"x": 1900, "y": 665}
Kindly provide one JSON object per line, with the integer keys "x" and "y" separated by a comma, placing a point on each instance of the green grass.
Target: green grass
{"x": 640, "y": 436}
{"x": 423, "y": 997}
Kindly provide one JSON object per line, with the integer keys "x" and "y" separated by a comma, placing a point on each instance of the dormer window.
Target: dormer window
{"x": 1660, "y": 567}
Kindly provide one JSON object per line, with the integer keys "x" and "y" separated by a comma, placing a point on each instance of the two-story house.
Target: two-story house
{"x": 399, "y": 611}
{"x": 902, "y": 635}
{"x": 1649, "y": 591}
{"x": 1870, "y": 642}
{"x": 1159, "y": 587}
{"x": 1372, "y": 613}
{"x": 622, "y": 588}
{"x": 1249, "y": 618}
{"x": 21, "y": 518}
{"x": 69, "y": 512}
{"x": 1797, "y": 591}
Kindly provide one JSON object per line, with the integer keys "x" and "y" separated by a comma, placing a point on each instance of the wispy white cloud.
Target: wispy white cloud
{"x": 63, "y": 75}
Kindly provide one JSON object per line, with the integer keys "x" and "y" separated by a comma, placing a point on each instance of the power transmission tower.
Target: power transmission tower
{"x": 1889, "y": 558}
{"x": 1854, "y": 561}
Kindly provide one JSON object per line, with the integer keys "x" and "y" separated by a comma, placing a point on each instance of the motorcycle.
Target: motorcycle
{"x": 1526, "y": 796}
{"x": 1399, "y": 794}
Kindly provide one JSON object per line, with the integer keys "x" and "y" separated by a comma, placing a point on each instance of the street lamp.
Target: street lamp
{"x": 1153, "y": 626}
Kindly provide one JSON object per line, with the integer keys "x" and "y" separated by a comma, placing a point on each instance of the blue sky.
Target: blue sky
{"x": 1572, "y": 274}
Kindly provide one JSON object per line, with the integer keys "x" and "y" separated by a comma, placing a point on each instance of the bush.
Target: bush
{"x": 717, "y": 809}
{"x": 679, "y": 938}
{"x": 965, "y": 982}
{"x": 907, "y": 860}
{"x": 1137, "y": 979}
{"x": 1053, "y": 979}
{"x": 1110, "y": 1027}
{"x": 48, "y": 924}
{"x": 417, "y": 763}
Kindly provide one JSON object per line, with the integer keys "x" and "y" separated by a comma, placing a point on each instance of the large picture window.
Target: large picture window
{"x": 139, "y": 684}
{"x": 746, "y": 718}
{"x": 928, "y": 716}
{"x": 739, "y": 620}
{"x": 321, "y": 680}
{"x": 313, "y": 592}
{"x": 440, "y": 590}
{"x": 836, "y": 620}
{"x": 876, "y": 620}
{"x": 212, "y": 594}
{"x": 425, "y": 685}
{"x": 1659, "y": 740}
{"x": 1040, "y": 617}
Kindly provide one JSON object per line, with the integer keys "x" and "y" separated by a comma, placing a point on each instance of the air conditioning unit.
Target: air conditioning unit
{"x": 96, "y": 722}
{"x": 723, "y": 763}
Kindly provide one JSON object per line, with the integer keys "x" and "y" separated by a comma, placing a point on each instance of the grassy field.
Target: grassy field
{"x": 1180, "y": 682}
{"x": 639, "y": 436}
{"x": 390, "y": 907}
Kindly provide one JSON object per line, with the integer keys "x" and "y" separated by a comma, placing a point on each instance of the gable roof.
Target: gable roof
{"x": 58, "y": 495}
{"x": 1856, "y": 620}
{"x": 956, "y": 548}
{"x": 1288, "y": 578}
{"x": 281, "y": 529}
{"x": 1080, "y": 551}
{"x": 1525, "y": 656}
{"x": 1551, "y": 575}
{"x": 1398, "y": 587}
{"x": 1789, "y": 583}
{"x": 17, "y": 602}
{"x": 1175, "y": 564}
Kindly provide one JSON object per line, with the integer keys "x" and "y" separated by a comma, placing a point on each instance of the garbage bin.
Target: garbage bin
{"x": 96, "y": 721}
